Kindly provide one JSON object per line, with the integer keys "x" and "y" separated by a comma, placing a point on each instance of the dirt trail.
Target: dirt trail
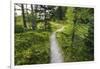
{"x": 56, "y": 56}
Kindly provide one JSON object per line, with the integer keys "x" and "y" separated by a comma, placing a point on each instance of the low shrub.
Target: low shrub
{"x": 32, "y": 48}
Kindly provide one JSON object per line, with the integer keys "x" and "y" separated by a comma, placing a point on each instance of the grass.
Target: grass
{"x": 32, "y": 48}
{"x": 55, "y": 25}
{"x": 78, "y": 52}
{"x": 19, "y": 20}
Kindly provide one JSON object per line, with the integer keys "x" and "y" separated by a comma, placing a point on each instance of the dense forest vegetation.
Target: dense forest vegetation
{"x": 35, "y": 23}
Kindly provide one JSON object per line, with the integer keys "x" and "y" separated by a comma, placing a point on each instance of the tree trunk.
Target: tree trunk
{"x": 45, "y": 19}
{"x": 33, "y": 20}
{"x": 23, "y": 15}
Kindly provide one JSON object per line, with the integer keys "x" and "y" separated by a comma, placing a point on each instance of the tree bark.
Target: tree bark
{"x": 23, "y": 15}
{"x": 33, "y": 20}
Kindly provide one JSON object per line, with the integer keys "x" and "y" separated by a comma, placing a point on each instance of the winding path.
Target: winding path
{"x": 56, "y": 56}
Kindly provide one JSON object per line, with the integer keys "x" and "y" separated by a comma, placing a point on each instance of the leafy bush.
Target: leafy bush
{"x": 32, "y": 48}
{"x": 77, "y": 52}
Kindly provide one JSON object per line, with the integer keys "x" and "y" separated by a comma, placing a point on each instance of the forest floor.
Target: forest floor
{"x": 56, "y": 55}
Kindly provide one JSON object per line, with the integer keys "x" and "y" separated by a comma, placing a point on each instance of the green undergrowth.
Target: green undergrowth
{"x": 77, "y": 52}
{"x": 55, "y": 25}
{"x": 32, "y": 48}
